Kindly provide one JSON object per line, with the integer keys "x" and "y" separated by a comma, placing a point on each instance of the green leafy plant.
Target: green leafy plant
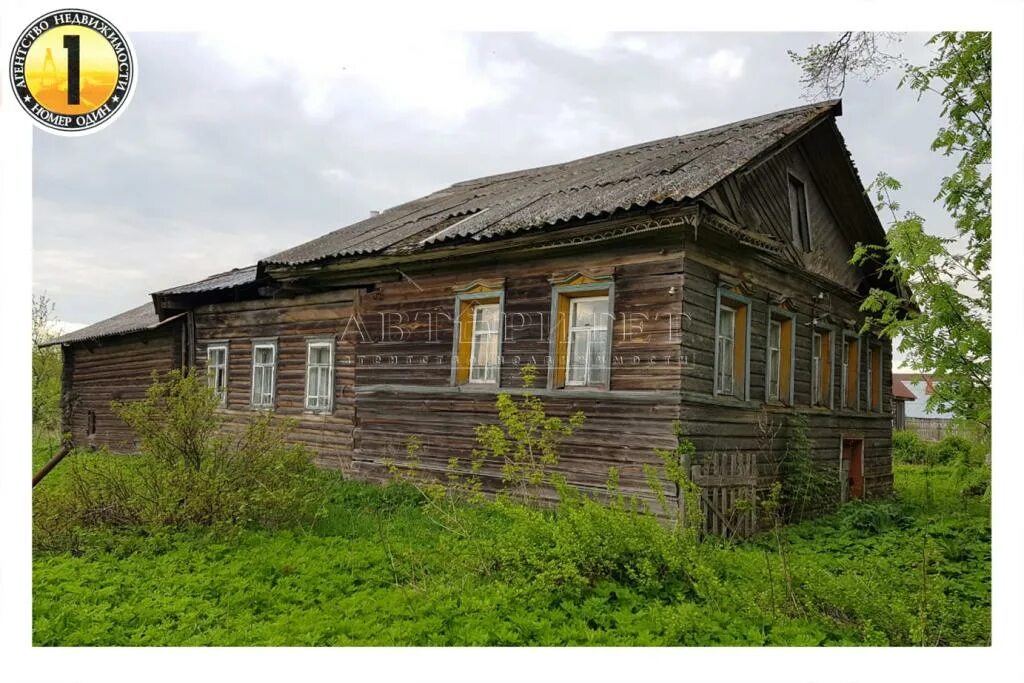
{"x": 806, "y": 488}
{"x": 191, "y": 471}
{"x": 525, "y": 441}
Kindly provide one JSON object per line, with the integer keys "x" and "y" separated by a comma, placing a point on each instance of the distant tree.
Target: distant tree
{"x": 945, "y": 325}
{"x": 46, "y": 366}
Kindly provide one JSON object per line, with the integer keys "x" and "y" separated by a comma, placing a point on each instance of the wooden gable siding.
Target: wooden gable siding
{"x": 397, "y": 400}
{"x": 759, "y": 200}
{"x": 290, "y": 322}
{"x": 116, "y": 368}
{"x": 725, "y": 424}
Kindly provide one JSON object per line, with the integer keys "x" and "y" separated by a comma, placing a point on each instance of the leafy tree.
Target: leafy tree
{"x": 46, "y": 367}
{"x": 943, "y": 313}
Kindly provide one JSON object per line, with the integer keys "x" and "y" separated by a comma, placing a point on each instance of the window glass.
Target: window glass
{"x": 483, "y": 358}
{"x": 588, "y": 341}
{"x": 217, "y": 370}
{"x": 263, "y": 375}
{"x": 726, "y": 350}
{"x": 319, "y": 369}
{"x": 774, "y": 358}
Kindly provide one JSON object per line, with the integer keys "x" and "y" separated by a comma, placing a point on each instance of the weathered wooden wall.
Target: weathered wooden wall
{"x": 398, "y": 399}
{"x": 726, "y": 424}
{"x": 290, "y": 321}
{"x": 115, "y": 368}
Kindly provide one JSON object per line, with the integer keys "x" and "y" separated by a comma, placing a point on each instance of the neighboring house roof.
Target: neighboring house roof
{"x": 917, "y": 377}
{"x": 136, "y": 320}
{"x": 675, "y": 168}
{"x": 922, "y": 386}
{"x": 230, "y": 279}
{"x": 900, "y": 392}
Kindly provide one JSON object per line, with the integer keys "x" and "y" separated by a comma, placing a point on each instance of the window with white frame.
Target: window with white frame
{"x": 587, "y": 351}
{"x": 725, "y": 378}
{"x": 774, "y": 358}
{"x": 483, "y": 354}
{"x": 320, "y": 375}
{"x": 217, "y": 371}
{"x": 264, "y": 363}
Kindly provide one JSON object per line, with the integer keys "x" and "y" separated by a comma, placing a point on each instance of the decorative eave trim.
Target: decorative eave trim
{"x": 690, "y": 218}
{"x": 580, "y": 277}
{"x": 758, "y": 240}
{"x": 736, "y": 285}
{"x": 481, "y": 285}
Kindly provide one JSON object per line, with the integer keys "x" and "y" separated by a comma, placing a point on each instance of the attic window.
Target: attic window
{"x": 799, "y": 222}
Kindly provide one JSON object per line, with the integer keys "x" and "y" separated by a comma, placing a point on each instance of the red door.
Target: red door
{"x": 853, "y": 466}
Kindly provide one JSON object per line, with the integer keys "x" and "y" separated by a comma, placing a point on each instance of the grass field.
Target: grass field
{"x": 377, "y": 570}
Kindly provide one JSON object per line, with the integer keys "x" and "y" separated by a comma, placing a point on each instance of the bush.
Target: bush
{"x": 570, "y": 551}
{"x": 910, "y": 449}
{"x": 190, "y": 472}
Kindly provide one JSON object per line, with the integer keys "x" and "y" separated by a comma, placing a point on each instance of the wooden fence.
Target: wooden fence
{"x": 728, "y": 491}
{"x": 928, "y": 428}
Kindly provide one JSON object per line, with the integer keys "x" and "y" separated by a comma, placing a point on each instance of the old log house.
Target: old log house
{"x": 701, "y": 278}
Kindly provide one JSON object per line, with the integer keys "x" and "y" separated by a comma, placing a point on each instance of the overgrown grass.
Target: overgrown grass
{"x": 377, "y": 570}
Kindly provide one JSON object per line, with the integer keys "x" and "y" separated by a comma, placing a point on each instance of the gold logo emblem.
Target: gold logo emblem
{"x": 72, "y": 71}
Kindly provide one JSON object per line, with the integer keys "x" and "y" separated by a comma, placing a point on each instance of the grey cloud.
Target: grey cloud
{"x": 207, "y": 170}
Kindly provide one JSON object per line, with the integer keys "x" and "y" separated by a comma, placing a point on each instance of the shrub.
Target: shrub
{"x": 190, "y": 472}
{"x": 806, "y": 488}
{"x": 570, "y": 551}
{"x": 908, "y": 448}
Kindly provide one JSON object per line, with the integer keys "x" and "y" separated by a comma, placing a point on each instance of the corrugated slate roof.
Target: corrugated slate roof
{"x": 235, "y": 277}
{"x": 137, "y": 319}
{"x": 900, "y": 392}
{"x": 675, "y": 168}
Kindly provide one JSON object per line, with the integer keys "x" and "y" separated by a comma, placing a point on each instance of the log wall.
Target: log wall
{"x": 720, "y": 424}
{"x": 116, "y": 368}
{"x": 404, "y": 385}
{"x": 290, "y": 322}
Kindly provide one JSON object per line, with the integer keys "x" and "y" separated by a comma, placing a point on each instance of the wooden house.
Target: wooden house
{"x": 703, "y": 278}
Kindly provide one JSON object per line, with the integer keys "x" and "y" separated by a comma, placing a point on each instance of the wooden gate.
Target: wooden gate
{"x": 726, "y": 479}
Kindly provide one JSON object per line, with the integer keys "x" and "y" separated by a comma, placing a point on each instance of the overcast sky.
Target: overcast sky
{"x": 226, "y": 155}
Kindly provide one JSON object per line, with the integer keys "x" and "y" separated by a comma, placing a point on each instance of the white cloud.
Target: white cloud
{"x": 438, "y": 74}
{"x": 719, "y": 68}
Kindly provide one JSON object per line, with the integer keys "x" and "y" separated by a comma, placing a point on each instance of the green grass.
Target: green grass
{"x": 378, "y": 571}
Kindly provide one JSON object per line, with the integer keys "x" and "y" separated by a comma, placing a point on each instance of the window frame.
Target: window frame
{"x": 262, "y": 344}
{"x": 795, "y": 187}
{"x": 474, "y": 345}
{"x": 735, "y": 302}
{"x": 218, "y": 346}
{"x": 823, "y": 330}
{"x": 578, "y": 287}
{"x": 311, "y": 343}
{"x": 473, "y": 298}
{"x": 850, "y": 337}
{"x": 573, "y": 303}
{"x": 787, "y": 323}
